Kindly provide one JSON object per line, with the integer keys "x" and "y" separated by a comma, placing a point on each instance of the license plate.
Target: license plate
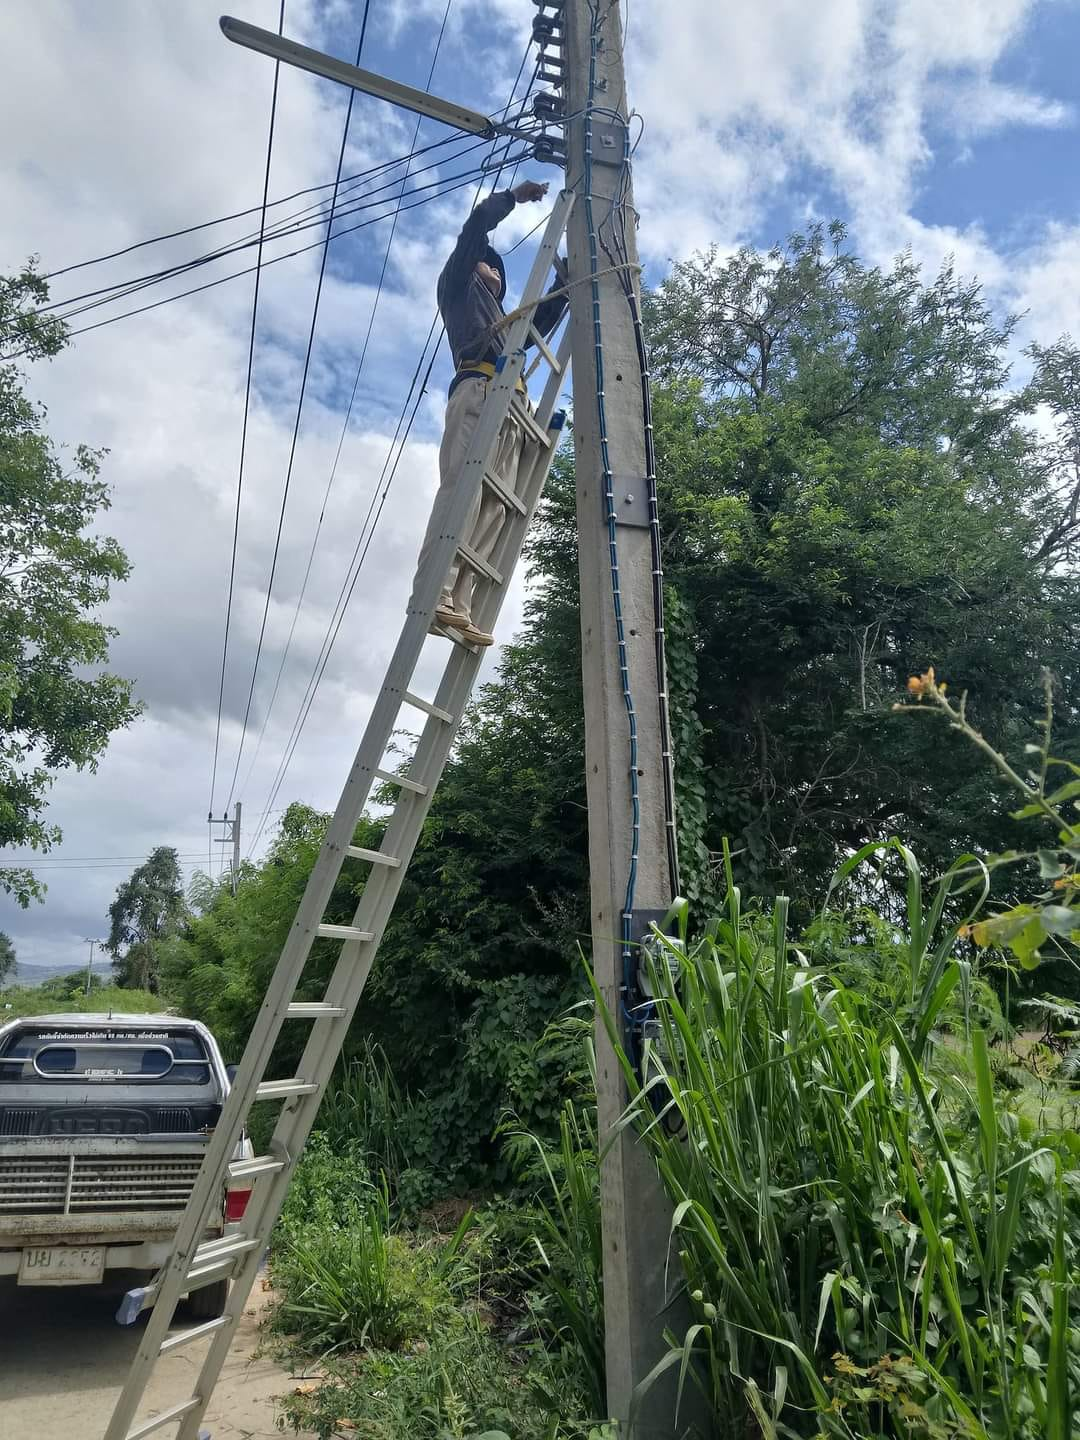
{"x": 62, "y": 1265}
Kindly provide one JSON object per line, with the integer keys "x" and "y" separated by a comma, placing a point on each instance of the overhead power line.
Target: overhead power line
{"x": 461, "y": 182}
{"x": 272, "y": 204}
{"x": 348, "y": 413}
{"x": 244, "y": 431}
{"x": 299, "y": 414}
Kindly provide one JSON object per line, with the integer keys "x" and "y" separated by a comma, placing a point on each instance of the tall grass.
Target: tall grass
{"x": 869, "y": 1251}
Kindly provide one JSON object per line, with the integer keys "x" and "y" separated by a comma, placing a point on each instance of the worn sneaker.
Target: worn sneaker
{"x": 451, "y": 619}
{"x": 475, "y": 636}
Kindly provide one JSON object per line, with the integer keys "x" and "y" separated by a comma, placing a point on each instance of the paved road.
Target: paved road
{"x": 63, "y": 1359}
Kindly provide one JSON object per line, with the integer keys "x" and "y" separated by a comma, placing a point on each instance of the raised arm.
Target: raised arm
{"x": 472, "y": 242}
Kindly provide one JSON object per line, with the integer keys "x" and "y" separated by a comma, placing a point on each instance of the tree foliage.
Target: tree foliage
{"x": 58, "y": 707}
{"x": 849, "y": 491}
{"x": 148, "y": 909}
{"x": 7, "y": 957}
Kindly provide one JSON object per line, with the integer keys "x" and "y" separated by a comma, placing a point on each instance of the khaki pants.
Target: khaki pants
{"x": 487, "y": 515}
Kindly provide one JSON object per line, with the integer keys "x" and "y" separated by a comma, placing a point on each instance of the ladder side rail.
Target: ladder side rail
{"x": 549, "y": 396}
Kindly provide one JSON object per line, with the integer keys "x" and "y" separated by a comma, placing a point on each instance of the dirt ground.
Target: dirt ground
{"x": 63, "y": 1359}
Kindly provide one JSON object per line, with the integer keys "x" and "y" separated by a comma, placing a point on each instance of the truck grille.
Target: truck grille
{"x": 84, "y": 1184}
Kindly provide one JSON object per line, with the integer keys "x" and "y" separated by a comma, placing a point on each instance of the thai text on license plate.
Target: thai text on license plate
{"x": 62, "y": 1265}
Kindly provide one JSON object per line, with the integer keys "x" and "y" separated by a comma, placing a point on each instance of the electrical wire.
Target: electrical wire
{"x": 461, "y": 182}
{"x": 242, "y": 214}
{"x": 348, "y": 414}
{"x": 497, "y": 117}
{"x": 310, "y": 218}
{"x": 243, "y": 434}
{"x": 382, "y": 490}
{"x": 286, "y": 225}
{"x": 299, "y": 414}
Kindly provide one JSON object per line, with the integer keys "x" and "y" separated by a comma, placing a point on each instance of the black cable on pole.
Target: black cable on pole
{"x": 348, "y": 416}
{"x": 242, "y": 214}
{"x": 285, "y": 228}
{"x": 255, "y": 209}
{"x": 244, "y": 431}
{"x": 461, "y": 182}
{"x": 299, "y": 413}
{"x": 380, "y": 493}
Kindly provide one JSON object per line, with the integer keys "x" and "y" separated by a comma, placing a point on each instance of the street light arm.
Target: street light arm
{"x": 268, "y": 42}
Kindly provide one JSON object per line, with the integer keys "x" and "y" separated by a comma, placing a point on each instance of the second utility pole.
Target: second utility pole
{"x": 610, "y": 457}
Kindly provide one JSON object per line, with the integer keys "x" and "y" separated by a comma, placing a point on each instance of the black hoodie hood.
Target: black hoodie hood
{"x": 495, "y": 260}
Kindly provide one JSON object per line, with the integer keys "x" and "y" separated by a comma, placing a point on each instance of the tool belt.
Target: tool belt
{"x": 481, "y": 370}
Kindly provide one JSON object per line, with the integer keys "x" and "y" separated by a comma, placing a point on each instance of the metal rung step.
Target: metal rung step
{"x": 508, "y": 498}
{"x": 257, "y": 1165}
{"x": 282, "y": 1089}
{"x": 343, "y": 932}
{"x": 176, "y": 1412}
{"x": 471, "y": 558}
{"x": 428, "y": 708}
{"x": 375, "y": 856}
{"x": 404, "y": 782}
{"x": 195, "y": 1333}
{"x": 225, "y": 1247}
{"x": 545, "y": 350}
{"x": 531, "y": 427}
{"x": 314, "y": 1010}
{"x": 455, "y": 636}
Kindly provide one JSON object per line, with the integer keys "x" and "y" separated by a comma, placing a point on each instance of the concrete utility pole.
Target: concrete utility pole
{"x": 231, "y": 837}
{"x": 636, "y": 1214}
{"x": 90, "y": 962}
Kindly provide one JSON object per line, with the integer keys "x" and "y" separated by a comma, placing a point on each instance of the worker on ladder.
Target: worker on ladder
{"x": 470, "y": 292}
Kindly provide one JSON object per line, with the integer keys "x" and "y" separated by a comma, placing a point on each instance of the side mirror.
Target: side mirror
{"x": 230, "y": 1071}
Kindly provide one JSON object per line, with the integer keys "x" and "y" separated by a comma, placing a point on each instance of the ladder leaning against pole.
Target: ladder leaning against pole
{"x": 236, "y": 1256}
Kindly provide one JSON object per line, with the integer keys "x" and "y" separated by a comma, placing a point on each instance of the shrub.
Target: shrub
{"x": 870, "y": 1251}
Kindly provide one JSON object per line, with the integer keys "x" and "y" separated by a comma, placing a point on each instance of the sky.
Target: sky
{"x": 945, "y": 129}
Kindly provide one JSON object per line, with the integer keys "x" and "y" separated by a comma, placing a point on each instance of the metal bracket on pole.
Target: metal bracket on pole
{"x": 630, "y": 494}
{"x": 268, "y": 42}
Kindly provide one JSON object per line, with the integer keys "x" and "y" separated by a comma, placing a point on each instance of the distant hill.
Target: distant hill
{"x": 38, "y": 974}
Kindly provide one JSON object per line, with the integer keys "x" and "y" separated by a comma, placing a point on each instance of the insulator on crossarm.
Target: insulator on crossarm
{"x": 549, "y": 151}
{"x": 549, "y": 107}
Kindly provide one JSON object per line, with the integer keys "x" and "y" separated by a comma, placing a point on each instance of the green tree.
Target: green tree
{"x": 7, "y": 957}
{"x": 148, "y": 909}
{"x": 57, "y": 706}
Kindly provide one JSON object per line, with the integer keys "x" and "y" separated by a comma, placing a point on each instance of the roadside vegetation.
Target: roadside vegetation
{"x": 861, "y": 1085}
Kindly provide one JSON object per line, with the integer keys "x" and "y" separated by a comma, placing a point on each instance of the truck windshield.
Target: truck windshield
{"x": 43, "y": 1055}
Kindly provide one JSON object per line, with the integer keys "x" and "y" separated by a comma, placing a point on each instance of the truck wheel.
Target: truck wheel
{"x": 208, "y": 1303}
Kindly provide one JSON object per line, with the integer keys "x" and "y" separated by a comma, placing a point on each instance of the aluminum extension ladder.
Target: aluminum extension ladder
{"x": 237, "y": 1255}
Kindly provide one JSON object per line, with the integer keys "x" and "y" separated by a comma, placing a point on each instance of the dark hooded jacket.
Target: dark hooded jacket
{"x": 469, "y": 309}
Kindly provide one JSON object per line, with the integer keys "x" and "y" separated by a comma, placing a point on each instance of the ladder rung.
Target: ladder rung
{"x": 282, "y": 1089}
{"x": 375, "y": 856}
{"x": 428, "y": 708}
{"x": 453, "y": 635}
{"x": 542, "y": 345}
{"x": 343, "y": 932}
{"x": 530, "y": 425}
{"x": 507, "y": 497}
{"x": 469, "y": 555}
{"x": 225, "y": 1247}
{"x": 195, "y": 1333}
{"x": 404, "y": 782}
{"x": 257, "y": 1165}
{"x": 314, "y": 1010}
{"x": 176, "y": 1412}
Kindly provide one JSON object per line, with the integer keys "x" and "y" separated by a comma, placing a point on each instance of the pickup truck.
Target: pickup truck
{"x": 103, "y": 1124}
